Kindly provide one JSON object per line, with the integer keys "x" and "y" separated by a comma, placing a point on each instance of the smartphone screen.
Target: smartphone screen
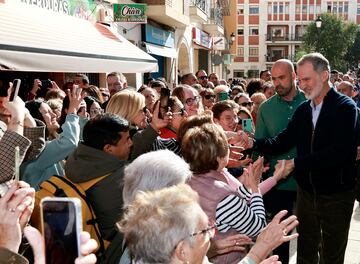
{"x": 223, "y": 96}
{"x": 45, "y": 84}
{"x": 62, "y": 225}
{"x": 164, "y": 98}
{"x": 247, "y": 125}
{"x": 15, "y": 89}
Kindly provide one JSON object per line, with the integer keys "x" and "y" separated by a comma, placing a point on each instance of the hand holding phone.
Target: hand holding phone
{"x": 45, "y": 84}
{"x": 223, "y": 96}
{"x": 62, "y": 225}
{"x": 247, "y": 125}
{"x": 15, "y": 89}
{"x": 164, "y": 102}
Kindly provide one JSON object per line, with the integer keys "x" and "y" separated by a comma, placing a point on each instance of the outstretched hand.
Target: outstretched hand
{"x": 228, "y": 244}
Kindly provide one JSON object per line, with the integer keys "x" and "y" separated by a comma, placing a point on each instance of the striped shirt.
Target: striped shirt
{"x": 167, "y": 143}
{"x": 244, "y": 213}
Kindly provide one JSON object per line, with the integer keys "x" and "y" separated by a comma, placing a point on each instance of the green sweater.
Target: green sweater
{"x": 273, "y": 116}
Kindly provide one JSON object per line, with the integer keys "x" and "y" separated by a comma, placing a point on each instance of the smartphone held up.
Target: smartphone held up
{"x": 247, "y": 125}
{"x": 61, "y": 227}
{"x": 15, "y": 89}
{"x": 164, "y": 102}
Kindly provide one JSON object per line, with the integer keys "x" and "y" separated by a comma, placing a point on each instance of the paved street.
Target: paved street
{"x": 353, "y": 248}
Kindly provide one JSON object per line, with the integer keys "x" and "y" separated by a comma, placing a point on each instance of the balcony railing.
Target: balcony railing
{"x": 284, "y": 37}
{"x": 216, "y": 16}
{"x": 275, "y": 58}
{"x": 201, "y": 4}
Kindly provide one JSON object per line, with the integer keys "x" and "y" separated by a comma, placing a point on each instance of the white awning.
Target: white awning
{"x": 160, "y": 50}
{"x": 34, "y": 39}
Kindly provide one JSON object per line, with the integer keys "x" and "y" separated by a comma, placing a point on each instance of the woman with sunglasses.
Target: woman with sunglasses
{"x": 208, "y": 98}
{"x": 178, "y": 115}
{"x": 190, "y": 99}
{"x": 242, "y": 99}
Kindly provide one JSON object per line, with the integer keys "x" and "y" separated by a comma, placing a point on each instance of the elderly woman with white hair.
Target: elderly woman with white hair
{"x": 169, "y": 226}
{"x": 222, "y": 92}
{"x": 159, "y": 169}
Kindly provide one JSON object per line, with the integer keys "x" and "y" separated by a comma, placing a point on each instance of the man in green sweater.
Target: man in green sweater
{"x": 273, "y": 116}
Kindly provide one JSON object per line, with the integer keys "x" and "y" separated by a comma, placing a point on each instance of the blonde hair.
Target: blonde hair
{"x": 258, "y": 98}
{"x": 126, "y": 104}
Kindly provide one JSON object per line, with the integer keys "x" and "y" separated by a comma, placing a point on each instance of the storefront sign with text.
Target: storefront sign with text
{"x": 81, "y": 9}
{"x": 133, "y": 13}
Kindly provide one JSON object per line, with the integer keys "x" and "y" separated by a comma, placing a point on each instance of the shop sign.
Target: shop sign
{"x": 82, "y": 9}
{"x": 218, "y": 43}
{"x": 131, "y": 13}
{"x": 201, "y": 38}
{"x": 159, "y": 36}
{"x": 227, "y": 59}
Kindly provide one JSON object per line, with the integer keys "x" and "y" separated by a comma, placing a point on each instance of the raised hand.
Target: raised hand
{"x": 158, "y": 123}
{"x": 75, "y": 99}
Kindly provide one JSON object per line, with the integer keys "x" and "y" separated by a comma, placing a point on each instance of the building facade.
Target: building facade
{"x": 270, "y": 30}
{"x": 193, "y": 24}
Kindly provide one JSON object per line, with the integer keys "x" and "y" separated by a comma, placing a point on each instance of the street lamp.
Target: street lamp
{"x": 318, "y": 22}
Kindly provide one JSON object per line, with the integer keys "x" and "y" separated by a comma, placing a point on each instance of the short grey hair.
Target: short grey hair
{"x": 153, "y": 171}
{"x": 156, "y": 222}
{"x": 318, "y": 61}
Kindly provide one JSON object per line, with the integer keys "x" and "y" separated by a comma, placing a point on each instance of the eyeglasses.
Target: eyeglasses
{"x": 210, "y": 230}
{"x": 209, "y": 96}
{"x": 191, "y": 101}
{"x": 181, "y": 112}
{"x": 96, "y": 111}
{"x": 203, "y": 77}
{"x": 247, "y": 104}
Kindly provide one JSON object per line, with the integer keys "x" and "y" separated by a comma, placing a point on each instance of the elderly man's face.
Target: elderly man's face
{"x": 310, "y": 81}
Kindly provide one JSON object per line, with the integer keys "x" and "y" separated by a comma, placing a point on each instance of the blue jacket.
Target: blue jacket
{"x": 325, "y": 161}
{"x": 50, "y": 161}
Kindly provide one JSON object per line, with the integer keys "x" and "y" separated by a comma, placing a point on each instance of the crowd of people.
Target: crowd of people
{"x": 208, "y": 171}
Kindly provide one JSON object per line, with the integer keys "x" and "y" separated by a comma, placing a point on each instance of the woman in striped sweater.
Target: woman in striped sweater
{"x": 236, "y": 207}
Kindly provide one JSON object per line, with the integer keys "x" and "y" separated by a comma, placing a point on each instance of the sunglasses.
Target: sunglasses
{"x": 209, "y": 96}
{"x": 181, "y": 112}
{"x": 203, "y": 77}
{"x": 247, "y": 104}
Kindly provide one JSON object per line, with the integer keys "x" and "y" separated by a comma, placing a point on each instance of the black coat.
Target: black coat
{"x": 325, "y": 161}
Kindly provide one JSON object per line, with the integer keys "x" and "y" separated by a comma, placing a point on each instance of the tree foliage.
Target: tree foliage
{"x": 353, "y": 54}
{"x": 333, "y": 39}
